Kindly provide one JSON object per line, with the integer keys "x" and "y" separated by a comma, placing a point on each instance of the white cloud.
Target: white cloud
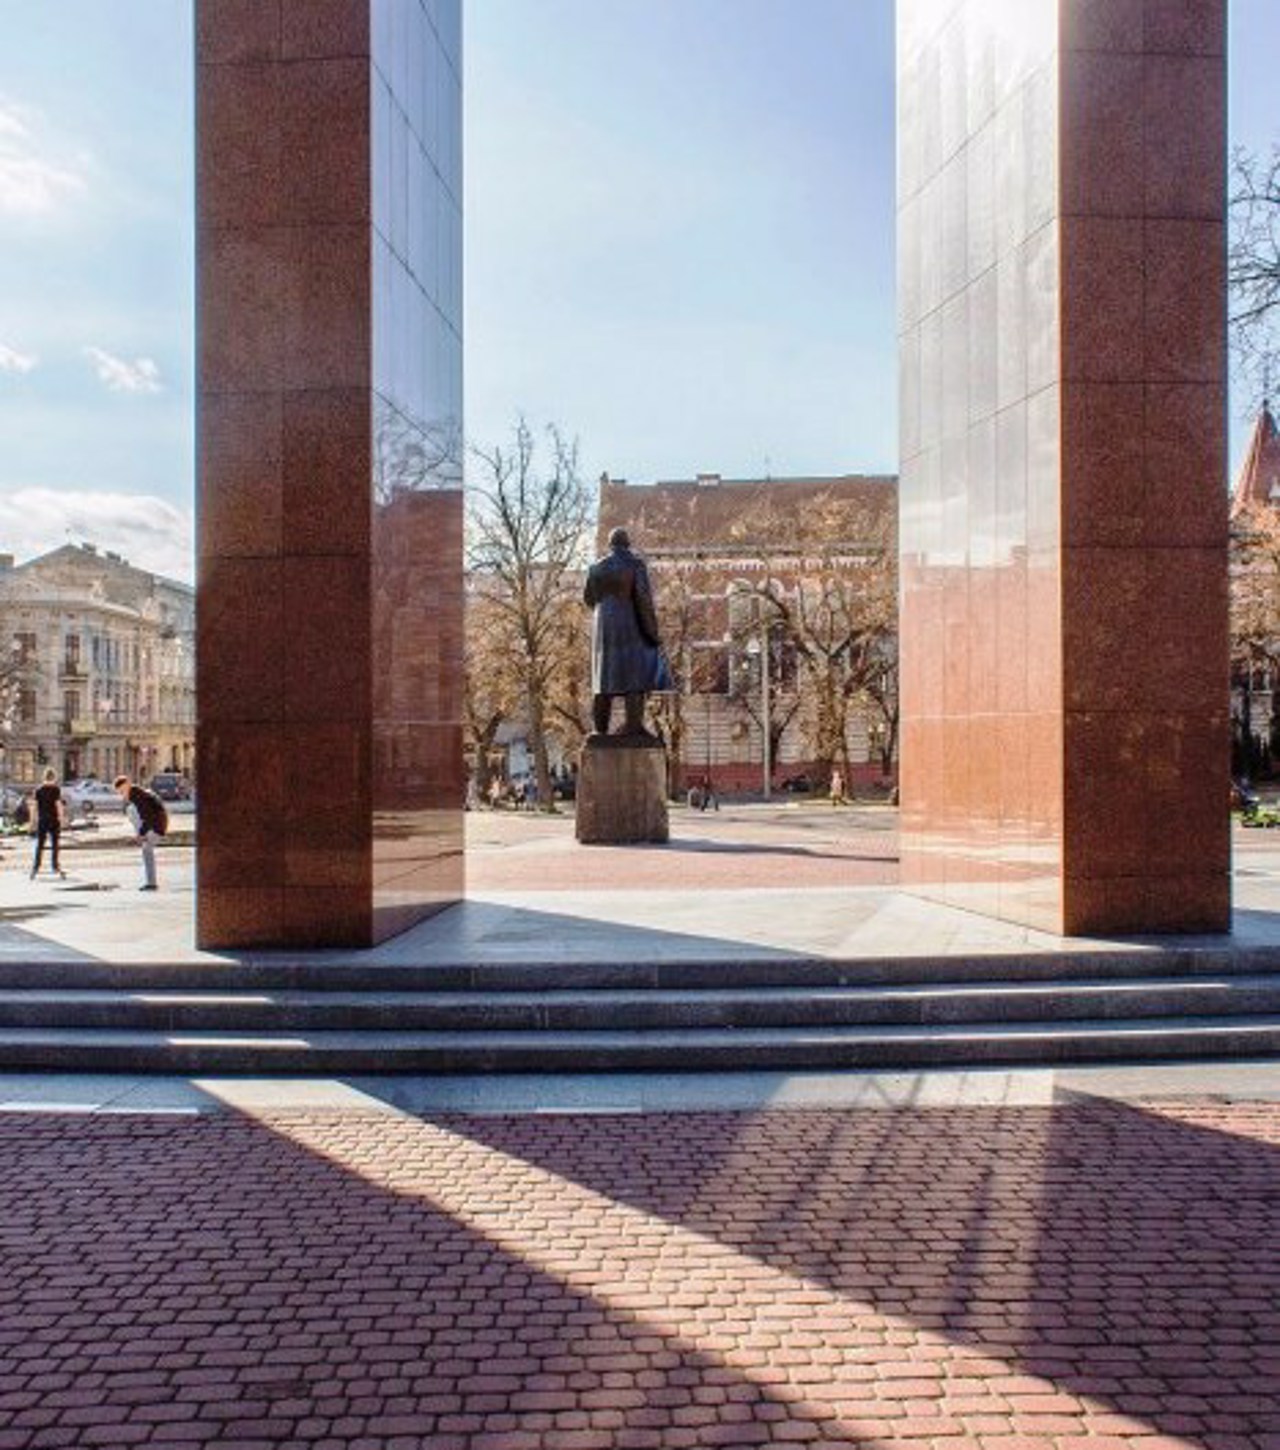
{"x": 121, "y": 376}
{"x": 32, "y": 182}
{"x": 146, "y": 530}
{"x": 13, "y": 361}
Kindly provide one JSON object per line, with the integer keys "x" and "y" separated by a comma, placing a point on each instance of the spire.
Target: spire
{"x": 1258, "y": 481}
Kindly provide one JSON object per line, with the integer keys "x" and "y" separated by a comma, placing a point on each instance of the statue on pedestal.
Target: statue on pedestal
{"x": 626, "y": 653}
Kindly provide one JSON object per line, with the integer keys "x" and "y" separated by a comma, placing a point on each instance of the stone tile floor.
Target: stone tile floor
{"x": 1087, "y": 1276}
{"x": 750, "y": 882}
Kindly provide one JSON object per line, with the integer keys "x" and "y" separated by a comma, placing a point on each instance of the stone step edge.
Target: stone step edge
{"x": 994, "y": 988}
{"x": 1164, "y": 1027}
{"x": 797, "y": 1050}
{"x": 345, "y": 975}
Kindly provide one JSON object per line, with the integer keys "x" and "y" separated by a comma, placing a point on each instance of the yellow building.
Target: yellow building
{"x": 102, "y": 663}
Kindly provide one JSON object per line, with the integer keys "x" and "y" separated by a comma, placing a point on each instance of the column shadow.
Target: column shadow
{"x": 1127, "y": 1255}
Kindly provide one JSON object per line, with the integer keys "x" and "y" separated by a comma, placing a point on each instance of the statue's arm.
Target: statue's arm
{"x": 646, "y": 614}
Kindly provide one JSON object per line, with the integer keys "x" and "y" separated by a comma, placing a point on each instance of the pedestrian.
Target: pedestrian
{"x": 837, "y": 788}
{"x": 51, "y": 812}
{"x": 710, "y": 800}
{"x": 149, "y": 820}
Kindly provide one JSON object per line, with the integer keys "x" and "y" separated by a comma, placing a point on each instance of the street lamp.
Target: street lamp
{"x": 758, "y": 649}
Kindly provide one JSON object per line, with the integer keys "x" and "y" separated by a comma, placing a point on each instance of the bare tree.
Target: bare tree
{"x": 527, "y": 529}
{"x": 827, "y": 591}
{"x": 676, "y": 600}
{"x": 491, "y": 691}
{"x": 1254, "y": 270}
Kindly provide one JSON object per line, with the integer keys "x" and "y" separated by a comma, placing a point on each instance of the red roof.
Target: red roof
{"x": 1258, "y": 481}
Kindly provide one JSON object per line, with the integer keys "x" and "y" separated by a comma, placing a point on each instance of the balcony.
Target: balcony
{"x": 73, "y": 671}
{"x": 79, "y": 728}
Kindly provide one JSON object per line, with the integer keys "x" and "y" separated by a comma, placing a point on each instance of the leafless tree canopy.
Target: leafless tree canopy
{"x": 1255, "y": 265}
{"x": 528, "y": 525}
{"x": 827, "y": 588}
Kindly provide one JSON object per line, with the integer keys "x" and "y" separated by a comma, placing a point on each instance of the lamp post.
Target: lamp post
{"x": 758, "y": 648}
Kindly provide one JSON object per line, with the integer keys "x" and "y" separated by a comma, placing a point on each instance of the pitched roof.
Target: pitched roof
{"x": 1258, "y": 481}
{"x": 685, "y": 514}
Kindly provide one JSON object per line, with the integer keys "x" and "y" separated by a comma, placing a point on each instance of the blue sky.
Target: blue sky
{"x": 679, "y": 243}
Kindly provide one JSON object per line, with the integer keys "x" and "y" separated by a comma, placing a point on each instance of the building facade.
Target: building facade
{"x": 103, "y": 656}
{"x": 778, "y": 570}
{"x": 1255, "y": 602}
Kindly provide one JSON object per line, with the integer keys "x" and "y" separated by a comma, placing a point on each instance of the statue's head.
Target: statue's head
{"x": 619, "y": 539}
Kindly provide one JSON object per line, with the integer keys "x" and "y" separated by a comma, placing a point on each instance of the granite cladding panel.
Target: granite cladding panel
{"x": 416, "y": 581}
{"x": 330, "y": 315}
{"x": 980, "y": 262}
{"x": 1062, "y": 476}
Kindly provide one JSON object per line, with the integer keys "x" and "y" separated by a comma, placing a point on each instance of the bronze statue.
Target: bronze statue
{"x": 626, "y": 654}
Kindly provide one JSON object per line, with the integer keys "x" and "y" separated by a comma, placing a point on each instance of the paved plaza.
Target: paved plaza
{"x": 751, "y": 881}
{"x": 1033, "y": 1259}
{"x": 1088, "y": 1276}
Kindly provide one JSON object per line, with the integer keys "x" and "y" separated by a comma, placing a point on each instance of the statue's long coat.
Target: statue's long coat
{"x": 626, "y": 657}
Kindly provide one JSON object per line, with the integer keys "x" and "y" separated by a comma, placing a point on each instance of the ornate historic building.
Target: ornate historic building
{"x": 710, "y": 543}
{"x": 1255, "y": 581}
{"x": 104, "y": 662}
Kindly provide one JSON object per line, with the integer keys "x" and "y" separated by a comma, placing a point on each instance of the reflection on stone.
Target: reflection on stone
{"x": 1053, "y": 609}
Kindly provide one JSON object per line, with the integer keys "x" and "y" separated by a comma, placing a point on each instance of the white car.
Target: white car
{"x": 90, "y": 797}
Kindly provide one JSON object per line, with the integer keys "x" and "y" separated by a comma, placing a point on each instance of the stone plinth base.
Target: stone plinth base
{"x": 622, "y": 793}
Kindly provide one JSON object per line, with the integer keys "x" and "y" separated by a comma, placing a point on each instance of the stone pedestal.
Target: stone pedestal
{"x": 622, "y": 793}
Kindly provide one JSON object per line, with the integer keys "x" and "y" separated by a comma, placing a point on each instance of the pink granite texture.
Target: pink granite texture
{"x": 292, "y": 577}
{"x": 1062, "y": 320}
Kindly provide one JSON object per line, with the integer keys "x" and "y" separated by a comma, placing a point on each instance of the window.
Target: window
{"x": 73, "y": 654}
{"x": 25, "y": 643}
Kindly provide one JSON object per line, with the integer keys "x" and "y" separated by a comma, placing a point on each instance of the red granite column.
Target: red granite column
{"x": 1065, "y": 750}
{"x": 292, "y": 101}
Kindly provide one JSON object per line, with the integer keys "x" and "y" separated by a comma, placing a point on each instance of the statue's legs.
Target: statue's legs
{"x": 601, "y": 713}
{"x": 635, "y": 714}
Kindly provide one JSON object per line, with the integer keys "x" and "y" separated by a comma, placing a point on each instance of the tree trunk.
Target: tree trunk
{"x": 541, "y": 767}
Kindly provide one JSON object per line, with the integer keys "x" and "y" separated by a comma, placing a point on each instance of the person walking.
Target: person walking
{"x": 150, "y": 821}
{"x": 838, "y": 797}
{"x": 51, "y": 811}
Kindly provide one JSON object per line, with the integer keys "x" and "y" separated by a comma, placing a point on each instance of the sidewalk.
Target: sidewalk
{"x": 1093, "y": 1276}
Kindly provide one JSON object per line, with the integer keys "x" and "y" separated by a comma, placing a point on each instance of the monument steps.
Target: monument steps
{"x": 338, "y": 973}
{"x": 337, "y": 1018}
{"x": 613, "y": 1010}
{"x": 684, "y": 1050}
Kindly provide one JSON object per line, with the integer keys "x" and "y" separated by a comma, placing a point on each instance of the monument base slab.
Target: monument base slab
{"x": 622, "y": 794}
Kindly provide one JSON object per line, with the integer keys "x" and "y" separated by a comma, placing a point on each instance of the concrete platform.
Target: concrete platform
{"x": 574, "y": 1094}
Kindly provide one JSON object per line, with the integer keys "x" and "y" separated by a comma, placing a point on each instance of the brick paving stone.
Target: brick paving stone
{"x": 1086, "y": 1277}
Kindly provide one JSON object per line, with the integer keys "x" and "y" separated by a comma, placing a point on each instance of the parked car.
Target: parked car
{"x": 171, "y": 785}
{"x": 89, "y": 798}
{"x": 797, "y": 785}
{"x": 1243, "y": 795}
{"x": 11, "y": 797}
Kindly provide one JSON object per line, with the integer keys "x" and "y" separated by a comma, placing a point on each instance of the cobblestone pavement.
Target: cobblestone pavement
{"x": 1085, "y": 1277}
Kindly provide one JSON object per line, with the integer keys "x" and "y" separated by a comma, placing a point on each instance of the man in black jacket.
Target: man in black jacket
{"x": 149, "y": 819}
